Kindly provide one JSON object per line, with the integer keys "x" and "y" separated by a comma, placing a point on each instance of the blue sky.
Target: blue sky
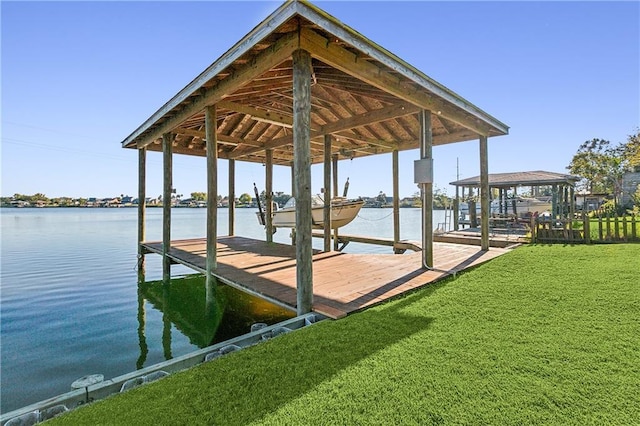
{"x": 79, "y": 77}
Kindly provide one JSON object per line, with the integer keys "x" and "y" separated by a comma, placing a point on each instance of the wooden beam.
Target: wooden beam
{"x": 212, "y": 197}
{"x": 142, "y": 207}
{"x": 301, "y": 151}
{"x": 426, "y": 149}
{"x": 396, "y": 195}
{"x": 334, "y": 165}
{"x": 269, "y": 195}
{"x": 258, "y": 114}
{"x": 370, "y": 117}
{"x": 484, "y": 194}
{"x": 167, "y": 183}
{"x": 327, "y": 193}
{"x": 263, "y": 62}
{"x": 220, "y": 137}
{"x": 232, "y": 197}
{"x": 348, "y": 62}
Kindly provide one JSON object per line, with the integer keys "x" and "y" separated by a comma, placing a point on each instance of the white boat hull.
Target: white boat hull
{"x": 342, "y": 213}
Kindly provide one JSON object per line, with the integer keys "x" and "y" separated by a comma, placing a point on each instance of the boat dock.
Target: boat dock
{"x": 342, "y": 282}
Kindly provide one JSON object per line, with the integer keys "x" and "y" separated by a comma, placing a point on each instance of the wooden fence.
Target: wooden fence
{"x": 604, "y": 228}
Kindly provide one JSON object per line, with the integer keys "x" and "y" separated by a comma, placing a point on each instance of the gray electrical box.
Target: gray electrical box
{"x": 423, "y": 170}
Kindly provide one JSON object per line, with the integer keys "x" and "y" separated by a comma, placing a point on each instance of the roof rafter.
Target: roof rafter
{"x": 263, "y": 62}
{"x": 348, "y": 62}
{"x": 374, "y": 116}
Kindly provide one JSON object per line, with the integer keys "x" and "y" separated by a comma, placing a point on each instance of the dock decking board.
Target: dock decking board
{"x": 342, "y": 282}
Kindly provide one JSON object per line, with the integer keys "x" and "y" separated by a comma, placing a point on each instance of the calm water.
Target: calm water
{"x": 70, "y": 304}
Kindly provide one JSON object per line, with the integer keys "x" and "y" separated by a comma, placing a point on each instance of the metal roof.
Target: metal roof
{"x": 363, "y": 95}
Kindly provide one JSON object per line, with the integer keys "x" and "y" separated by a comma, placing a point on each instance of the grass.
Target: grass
{"x": 542, "y": 335}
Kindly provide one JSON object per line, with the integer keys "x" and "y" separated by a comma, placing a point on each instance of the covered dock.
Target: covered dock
{"x": 559, "y": 188}
{"x": 267, "y": 270}
{"x": 303, "y": 88}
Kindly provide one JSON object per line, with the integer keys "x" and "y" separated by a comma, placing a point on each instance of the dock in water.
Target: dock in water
{"x": 342, "y": 282}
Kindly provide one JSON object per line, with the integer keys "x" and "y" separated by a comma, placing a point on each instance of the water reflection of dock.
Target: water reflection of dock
{"x": 342, "y": 282}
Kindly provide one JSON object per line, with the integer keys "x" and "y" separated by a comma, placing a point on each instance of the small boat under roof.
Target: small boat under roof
{"x": 343, "y": 211}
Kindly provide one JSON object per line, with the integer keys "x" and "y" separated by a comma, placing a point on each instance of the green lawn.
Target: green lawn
{"x": 543, "y": 335}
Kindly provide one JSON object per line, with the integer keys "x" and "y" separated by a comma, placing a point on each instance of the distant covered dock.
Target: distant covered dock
{"x": 303, "y": 88}
{"x": 562, "y": 190}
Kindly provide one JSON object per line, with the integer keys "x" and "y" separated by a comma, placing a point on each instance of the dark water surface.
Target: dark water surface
{"x": 70, "y": 304}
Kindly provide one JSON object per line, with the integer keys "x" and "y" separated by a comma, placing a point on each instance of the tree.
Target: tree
{"x": 600, "y": 166}
{"x": 199, "y": 196}
{"x": 245, "y": 198}
{"x": 631, "y": 151}
{"x": 593, "y": 162}
{"x": 440, "y": 198}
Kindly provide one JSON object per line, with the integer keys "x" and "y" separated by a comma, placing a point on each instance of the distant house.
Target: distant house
{"x": 110, "y": 202}
{"x": 589, "y": 202}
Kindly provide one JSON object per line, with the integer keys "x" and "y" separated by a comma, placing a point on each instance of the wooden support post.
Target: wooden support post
{"x": 554, "y": 201}
{"x": 396, "y": 196}
{"x": 572, "y": 201}
{"x": 167, "y": 157}
{"x": 484, "y": 194}
{"x": 232, "y": 197}
{"x": 426, "y": 149}
{"x": 327, "y": 193}
{"x": 456, "y": 210}
{"x": 586, "y": 226}
{"x": 212, "y": 198}
{"x": 302, "y": 164}
{"x": 142, "y": 208}
{"x": 269, "y": 194}
{"x": 473, "y": 214}
{"x": 334, "y": 161}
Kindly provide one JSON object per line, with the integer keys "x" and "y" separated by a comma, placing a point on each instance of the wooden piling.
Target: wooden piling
{"x": 302, "y": 71}
{"x": 269, "y": 194}
{"x": 167, "y": 157}
{"x": 334, "y": 163}
{"x": 212, "y": 196}
{"x": 232, "y": 197}
{"x": 327, "y": 193}
{"x": 142, "y": 208}
{"x": 484, "y": 194}
{"x": 426, "y": 148}
{"x": 396, "y": 196}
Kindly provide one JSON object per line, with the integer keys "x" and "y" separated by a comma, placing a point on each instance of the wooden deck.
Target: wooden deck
{"x": 342, "y": 282}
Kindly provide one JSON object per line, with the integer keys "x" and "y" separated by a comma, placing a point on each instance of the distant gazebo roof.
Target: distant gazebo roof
{"x": 509, "y": 180}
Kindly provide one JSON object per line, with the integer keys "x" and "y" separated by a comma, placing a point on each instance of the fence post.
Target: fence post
{"x": 634, "y": 235}
{"x": 533, "y": 226}
{"x": 586, "y": 227}
{"x": 624, "y": 227}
